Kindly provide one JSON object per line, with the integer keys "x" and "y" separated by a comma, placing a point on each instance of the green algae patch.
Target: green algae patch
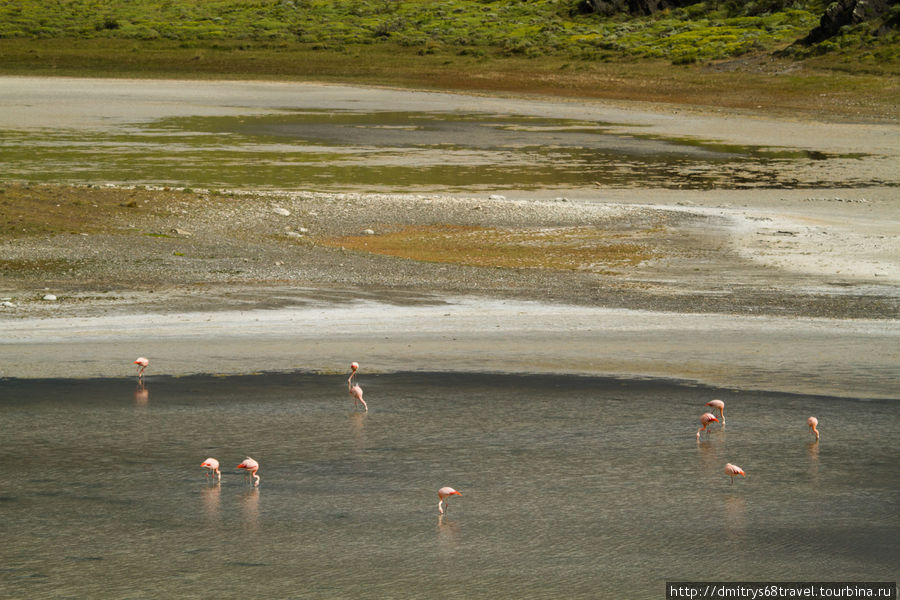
{"x": 561, "y": 248}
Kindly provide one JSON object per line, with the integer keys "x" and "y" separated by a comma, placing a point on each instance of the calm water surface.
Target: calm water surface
{"x": 572, "y": 487}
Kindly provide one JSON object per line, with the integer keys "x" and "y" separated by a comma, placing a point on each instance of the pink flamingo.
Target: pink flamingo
{"x": 142, "y": 362}
{"x": 354, "y": 389}
{"x": 733, "y": 470}
{"x": 212, "y": 468}
{"x": 718, "y": 405}
{"x": 705, "y": 420}
{"x": 813, "y": 426}
{"x": 252, "y": 467}
{"x": 444, "y": 494}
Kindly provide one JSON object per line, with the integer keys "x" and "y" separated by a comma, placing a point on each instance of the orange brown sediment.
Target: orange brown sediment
{"x": 567, "y": 248}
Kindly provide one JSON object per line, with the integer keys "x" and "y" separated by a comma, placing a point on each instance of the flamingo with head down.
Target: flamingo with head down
{"x": 705, "y": 420}
{"x": 444, "y": 497}
{"x": 141, "y": 362}
{"x": 212, "y": 468}
{"x": 733, "y": 470}
{"x": 718, "y": 405}
{"x": 252, "y": 467}
{"x": 813, "y": 426}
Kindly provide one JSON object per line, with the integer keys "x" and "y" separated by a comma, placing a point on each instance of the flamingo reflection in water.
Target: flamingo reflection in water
{"x": 141, "y": 395}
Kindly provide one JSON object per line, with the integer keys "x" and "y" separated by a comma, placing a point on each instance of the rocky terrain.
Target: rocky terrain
{"x": 162, "y": 249}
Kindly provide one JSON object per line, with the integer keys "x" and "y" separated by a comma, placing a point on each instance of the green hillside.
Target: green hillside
{"x": 702, "y": 31}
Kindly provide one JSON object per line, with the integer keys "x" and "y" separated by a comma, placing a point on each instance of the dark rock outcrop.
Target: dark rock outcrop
{"x": 847, "y": 12}
{"x": 634, "y": 7}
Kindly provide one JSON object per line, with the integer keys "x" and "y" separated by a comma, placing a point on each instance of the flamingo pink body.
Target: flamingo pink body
{"x": 252, "y": 467}
{"x": 705, "y": 420}
{"x": 813, "y": 426}
{"x": 212, "y": 466}
{"x": 142, "y": 362}
{"x": 444, "y": 494}
{"x": 732, "y": 470}
{"x": 355, "y": 389}
{"x": 718, "y": 405}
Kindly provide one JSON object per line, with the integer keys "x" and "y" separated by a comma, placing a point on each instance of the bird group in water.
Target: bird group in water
{"x": 706, "y": 419}
{"x": 251, "y": 466}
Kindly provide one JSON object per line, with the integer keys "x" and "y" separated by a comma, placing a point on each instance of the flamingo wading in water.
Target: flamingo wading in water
{"x": 732, "y": 470}
{"x": 444, "y": 497}
{"x": 212, "y": 468}
{"x": 705, "y": 420}
{"x": 252, "y": 467}
{"x": 718, "y": 405}
{"x": 813, "y": 426}
{"x": 141, "y": 362}
{"x": 355, "y": 389}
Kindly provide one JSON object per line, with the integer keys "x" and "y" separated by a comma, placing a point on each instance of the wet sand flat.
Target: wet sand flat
{"x": 847, "y": 358}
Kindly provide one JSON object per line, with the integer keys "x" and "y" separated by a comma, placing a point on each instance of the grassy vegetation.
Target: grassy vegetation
{"x": 463, "y": 26}
{"x": 541, "y": 46}
{"x": 466, "y": 26}
{"x": 703, "y": 31}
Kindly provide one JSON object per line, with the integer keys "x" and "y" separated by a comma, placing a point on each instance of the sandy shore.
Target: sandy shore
{"x": 791, "y": 290}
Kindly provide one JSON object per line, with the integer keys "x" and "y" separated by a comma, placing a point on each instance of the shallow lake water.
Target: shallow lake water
{"x": 571, "y": 487}
{"x": 343, "y": 150}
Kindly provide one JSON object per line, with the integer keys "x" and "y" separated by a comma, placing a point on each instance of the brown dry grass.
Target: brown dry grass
{"x": 563, "y": 248}
{"x": 33, "y": 210}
